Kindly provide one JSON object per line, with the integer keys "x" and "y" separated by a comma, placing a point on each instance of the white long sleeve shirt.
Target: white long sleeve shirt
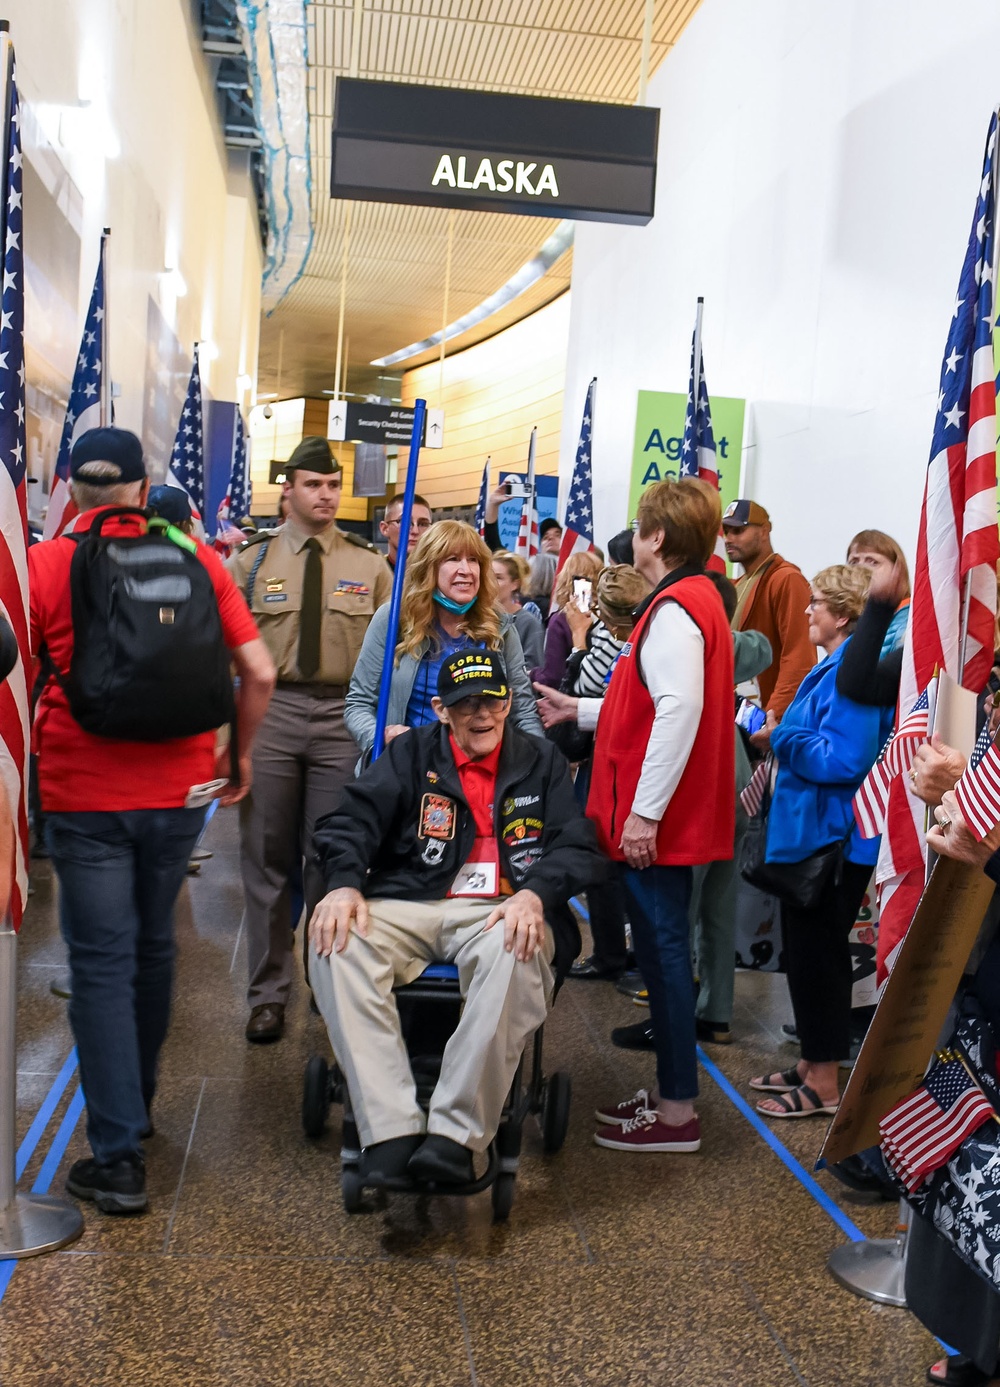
{"x": 672, "y": 664}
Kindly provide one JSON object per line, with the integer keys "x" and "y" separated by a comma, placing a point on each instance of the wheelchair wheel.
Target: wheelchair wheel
{"x": 315, "y": 1097}
{"x": 352, "y": 1188}
{"x": 555, "y": 1110}
{"x": 503, "y": 1196}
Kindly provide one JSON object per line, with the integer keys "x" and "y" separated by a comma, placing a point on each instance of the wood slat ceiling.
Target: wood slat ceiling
{"x": 586, "y": 49}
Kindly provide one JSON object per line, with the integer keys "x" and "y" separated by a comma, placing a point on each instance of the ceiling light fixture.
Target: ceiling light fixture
{"x": 530, "y": 273}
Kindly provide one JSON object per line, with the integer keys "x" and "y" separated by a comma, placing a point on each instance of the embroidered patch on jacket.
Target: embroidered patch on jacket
{"x": 437, "y": 817}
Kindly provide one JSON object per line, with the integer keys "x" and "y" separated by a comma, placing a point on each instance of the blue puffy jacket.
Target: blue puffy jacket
{"x": 825, "y": 745}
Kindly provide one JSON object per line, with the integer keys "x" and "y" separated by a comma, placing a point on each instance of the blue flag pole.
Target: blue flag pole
{"x": 398, "y": 577}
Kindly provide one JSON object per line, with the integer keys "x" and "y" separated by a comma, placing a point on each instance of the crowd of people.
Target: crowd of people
{"x": 550, "y": 731}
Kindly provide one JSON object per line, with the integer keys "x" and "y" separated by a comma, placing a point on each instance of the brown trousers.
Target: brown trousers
{"x": 303, "y": 757}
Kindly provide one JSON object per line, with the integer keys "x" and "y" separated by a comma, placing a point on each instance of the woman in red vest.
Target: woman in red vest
{"x": 661, "y": 794}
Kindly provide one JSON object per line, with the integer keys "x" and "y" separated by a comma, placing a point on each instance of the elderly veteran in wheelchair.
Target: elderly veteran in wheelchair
{"x": 462, "y": 842}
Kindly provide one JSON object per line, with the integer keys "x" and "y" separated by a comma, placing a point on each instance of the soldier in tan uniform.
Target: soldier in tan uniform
{"x": 312, "y": 589}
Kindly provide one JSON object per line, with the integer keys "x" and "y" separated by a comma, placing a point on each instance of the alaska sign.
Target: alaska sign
{"x": 491, "y": 152}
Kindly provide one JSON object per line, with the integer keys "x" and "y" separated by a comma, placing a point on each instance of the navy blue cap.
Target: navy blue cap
{"x": 109, "y": 445}
{"x": 170, "y": 503}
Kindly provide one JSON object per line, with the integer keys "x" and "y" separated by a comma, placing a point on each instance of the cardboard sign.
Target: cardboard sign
{"x": 907, "y": 1025}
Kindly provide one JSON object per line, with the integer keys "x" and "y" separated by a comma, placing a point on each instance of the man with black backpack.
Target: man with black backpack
{"x": 136, "y": 627}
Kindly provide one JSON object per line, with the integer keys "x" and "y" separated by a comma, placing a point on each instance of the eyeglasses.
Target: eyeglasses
{"x": 816, "y": 602}
{"x": 419, "y": 525}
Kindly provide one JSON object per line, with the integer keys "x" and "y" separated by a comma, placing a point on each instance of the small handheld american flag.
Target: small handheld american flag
{"x": 896, "y": 757}
{"x": 578, "y": 531}
{"x": 698, "y": 453}
{"x": 924, "y": 1130}
{"x": 978, "y": 791}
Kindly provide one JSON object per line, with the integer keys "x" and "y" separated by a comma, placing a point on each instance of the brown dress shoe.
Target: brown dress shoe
{"x": 266, "y": 1023}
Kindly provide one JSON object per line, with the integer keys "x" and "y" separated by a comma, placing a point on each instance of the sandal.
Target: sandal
{"x": 959, "y": 1371}
{"x": 791, "y": 1104}
{"x": 780, "y": 1082}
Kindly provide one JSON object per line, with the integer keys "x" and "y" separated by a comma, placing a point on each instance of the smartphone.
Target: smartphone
{"x": 516, "y": 488}
{"x": 582, "y": 589}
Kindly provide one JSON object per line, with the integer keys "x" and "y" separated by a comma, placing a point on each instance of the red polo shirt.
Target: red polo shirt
{"x": 78, "y": 771}
{"x": 479, "y": 783}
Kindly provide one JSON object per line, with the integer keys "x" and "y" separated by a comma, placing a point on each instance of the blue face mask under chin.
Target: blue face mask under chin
{"x": 459, "y": 608}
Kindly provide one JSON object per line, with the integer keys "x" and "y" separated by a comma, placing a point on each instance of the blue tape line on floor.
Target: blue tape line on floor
{"x": 49, "y": 1104}
{"x": 58, "y": 1148}
{"x": 820, "y": 1195}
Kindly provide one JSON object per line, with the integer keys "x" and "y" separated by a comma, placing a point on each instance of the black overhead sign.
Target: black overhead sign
{"x": 490, "y": 152}
{"x": 375, "y": 423}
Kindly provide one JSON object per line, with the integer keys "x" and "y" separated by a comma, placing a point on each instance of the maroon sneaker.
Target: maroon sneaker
{"x": 614, "y": 1114}
{"x": 646, "y": 1132}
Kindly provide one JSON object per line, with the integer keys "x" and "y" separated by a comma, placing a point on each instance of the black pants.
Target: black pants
{"x": 607, "y": 921}
{"x": 819, "y": 967}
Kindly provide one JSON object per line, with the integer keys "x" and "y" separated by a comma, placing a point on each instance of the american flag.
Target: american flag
{"x": 187, "y": 462}
{"x": 978, "y": 791}
{"x": 957, "y": 550}
{"x": 578, "y": 531}
{"x": 752, "y": 794}
{"x": 527, "y": 535}
{"x": 236, "y": 502}
{"x": 698, "y": 454}
{"x": 925, "y": 1129}
{"x": 479, "y": 524}
{"x": 88, "y": 401}
{"x": 896, "y": 757}
{"x": 14, "y": 716}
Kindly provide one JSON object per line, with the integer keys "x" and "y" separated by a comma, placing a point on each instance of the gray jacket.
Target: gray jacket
{"x": 361, "y": 704}
{"x": 752, "y": 653}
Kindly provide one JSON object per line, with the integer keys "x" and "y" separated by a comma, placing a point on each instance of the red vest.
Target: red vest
{"x": 699, "y": 822}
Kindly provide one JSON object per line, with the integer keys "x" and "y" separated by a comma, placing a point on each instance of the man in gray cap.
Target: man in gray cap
{"x": 312, "y": 589}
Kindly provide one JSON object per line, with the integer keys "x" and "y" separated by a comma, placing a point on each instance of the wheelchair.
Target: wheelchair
{"x": 429, "y": 1009}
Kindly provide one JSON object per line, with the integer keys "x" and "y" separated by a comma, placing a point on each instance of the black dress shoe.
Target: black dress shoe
{"x": 857, "y": 1176}
{"x": 712, "y": 1032}
{"x": 388, "y": 1159}
{"x": 442, "y": 1160}
{"x": 629, "y": 983}
{"x": 266, "y": 1023}
{"x": 593, "y": 971}
{"x": 117, "y": 1188}
{"x": 637, "y": 1037}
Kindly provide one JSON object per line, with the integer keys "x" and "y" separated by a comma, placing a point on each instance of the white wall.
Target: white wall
{"x": 123, "y": 128}
{"x": 818, "y": 169}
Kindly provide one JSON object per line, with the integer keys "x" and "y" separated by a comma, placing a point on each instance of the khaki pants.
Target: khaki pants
{"x": 303, "y": 757}
{"x": 505, "y": 1003}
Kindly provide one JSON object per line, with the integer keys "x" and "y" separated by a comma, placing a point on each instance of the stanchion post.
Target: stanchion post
{"x": 29, "y": 1223}
{"x": 398, "y": 577}
{"x": 875, "y": 1268}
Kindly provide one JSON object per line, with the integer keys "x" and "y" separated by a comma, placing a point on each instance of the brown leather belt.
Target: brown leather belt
{"x": 315, "y": 690}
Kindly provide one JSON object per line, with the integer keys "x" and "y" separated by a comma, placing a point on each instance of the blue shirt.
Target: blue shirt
{"x": 425, "y": 686}
{"x": 825, "y": 746}
{"x": 896, "y": 633}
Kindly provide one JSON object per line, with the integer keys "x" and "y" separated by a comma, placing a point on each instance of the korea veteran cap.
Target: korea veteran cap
{"x": 744, "y": 512}
{"x": 472, "y": 674}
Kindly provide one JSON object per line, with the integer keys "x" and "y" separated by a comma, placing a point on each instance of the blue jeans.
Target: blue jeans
{"x": 119, "y": 875}
{"x": 659, "y": 899}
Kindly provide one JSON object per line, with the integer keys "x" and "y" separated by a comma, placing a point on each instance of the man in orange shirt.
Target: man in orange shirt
{"x": 772, "y": 597}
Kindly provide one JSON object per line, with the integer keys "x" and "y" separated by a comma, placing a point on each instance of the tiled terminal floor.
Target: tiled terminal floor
{"x": 615, "y": 1270}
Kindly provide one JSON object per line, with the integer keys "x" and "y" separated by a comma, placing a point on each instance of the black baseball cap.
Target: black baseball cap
{"x": 170, "y": 503}
{"x": 109, "y": 445}
{"x": 472, "y": 674}
{"x": 313, "y": 454}
{"x": 549, "y": 523}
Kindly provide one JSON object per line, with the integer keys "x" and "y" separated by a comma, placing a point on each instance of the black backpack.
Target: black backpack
{"x": 149, "y": 659}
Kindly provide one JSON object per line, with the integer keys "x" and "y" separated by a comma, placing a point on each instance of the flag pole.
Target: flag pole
{"x": 106, "y": 406}
{"x": 696, "y": 372}
{"x": 398, "y": 578}
{"x": 29, "y": 1223}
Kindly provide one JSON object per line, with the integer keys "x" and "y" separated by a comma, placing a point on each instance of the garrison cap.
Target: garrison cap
{"x": 117, "y": 446}
{"x": 739, "y": 514}
{"x": 313, "y": 454}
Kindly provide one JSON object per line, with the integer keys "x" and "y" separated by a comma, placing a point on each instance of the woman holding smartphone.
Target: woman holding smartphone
{"x": 560, "y": 639}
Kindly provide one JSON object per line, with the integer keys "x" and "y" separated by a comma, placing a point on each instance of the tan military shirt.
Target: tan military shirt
{"x": 356, "y": 581}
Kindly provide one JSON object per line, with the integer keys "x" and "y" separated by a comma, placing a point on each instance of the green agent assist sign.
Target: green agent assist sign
{"x": 659, "y": 432}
